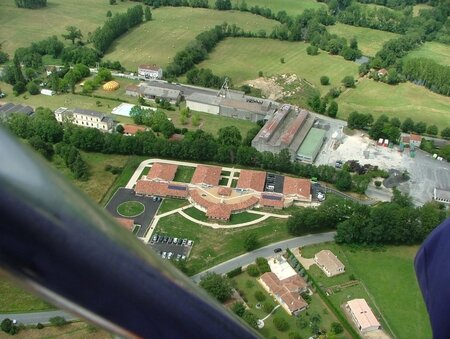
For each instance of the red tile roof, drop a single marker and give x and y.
(219, 211)
(132, 129)
(225, 191)
(162, 189)
(415, 137)
(126, 223)
(406, 139)
(252, 179)
(296, 186)
(209, 175)
(267, 202)
(162, 171)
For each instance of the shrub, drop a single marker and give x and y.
(253, 270)
(324, 80)
(260, 296)
(312, 50)
(378, 183)
(6, 325)
(32, 88)
(39, 326)
(238, 309)
(348, 81)
(250, 319)
(280, 324)
(263, 265)
(234, 272)
(58, 321)
(336, 328)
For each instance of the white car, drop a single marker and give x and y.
(189, 243)
(164, 255)
(169, 256)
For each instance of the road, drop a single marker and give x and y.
(37, 317)
(266, 252)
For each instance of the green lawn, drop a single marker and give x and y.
(172, 28)
(215, 246)
(432, 50)
(241, 59)
(292, 7)
(235, 218)
(248, 286)
(402, 101)
(184, 174)
(21, 27)
(234, 183)
(369, 40)
(223, 181)
(130, 208)
(390, 280)
(15, 299)
(169, 204)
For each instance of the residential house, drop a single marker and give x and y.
(415, 140)
(150, 71)
(329, 263)
(362, 315)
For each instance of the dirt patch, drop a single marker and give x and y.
(268, 86)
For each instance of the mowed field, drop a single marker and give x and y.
(20, 27)
(401, 101)
(388, 275)
(432, 50)
(369, 40)
(243, 58)
(157, 41)
(292, 7)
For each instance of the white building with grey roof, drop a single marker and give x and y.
(84, 118)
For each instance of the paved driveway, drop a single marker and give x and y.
(125, 194)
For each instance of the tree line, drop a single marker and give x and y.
(393, 223)
(114, 27)
(428, 73)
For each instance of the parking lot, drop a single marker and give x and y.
(171, 247)
(144, 219)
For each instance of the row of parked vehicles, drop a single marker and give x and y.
(169, 240)
(169, 255)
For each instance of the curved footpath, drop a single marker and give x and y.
(243, 260)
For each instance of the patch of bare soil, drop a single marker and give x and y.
(268, 86)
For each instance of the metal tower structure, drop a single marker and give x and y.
(223, 92)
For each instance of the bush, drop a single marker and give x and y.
(324, 80)
(39, 326)
(234, 272)
(238, 309)
(263, 265)
(348, 81)
(378, 183)
(280, 324)
(260, 296)
(250, 319)
(32, 88)
(6, 325)
(336, 328)
(58, 321)
(253, 270)
(312, 50)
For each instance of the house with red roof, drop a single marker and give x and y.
(129, 129)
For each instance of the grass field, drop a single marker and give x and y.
(216, 246)
(401, 101)
(241, 59)
(390, 280)
(169, 204)
(432, 50)
(184, 174)
(14, 299)
(172, 28)
(369, 40)
(248, 286)
(292, 7)
(130, 208)
(21, 27)
(74, 330)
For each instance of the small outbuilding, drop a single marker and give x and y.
(362, 315)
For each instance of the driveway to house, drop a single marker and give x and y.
(266, 252)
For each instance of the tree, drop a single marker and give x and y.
(324, 80)
(120, 129)
(420, 127)
(73, 33)
(332, 109)
(259, 296)
(312, 50)
(32, 88)
(222, 5)
(113, 2)
(348, 81)
(238, 309)
(250, 319)
(229, 136)
(432, 130)
(445, 133)
(217, 286)
(336, 328)
(252, 270)
(147, 14)
(108, 14)
(408, 125)
(58, 321)
(343, 181)
(251, 242)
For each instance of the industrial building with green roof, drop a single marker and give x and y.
(311, 146)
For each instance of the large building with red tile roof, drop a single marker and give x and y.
(272, 200)
(209, 175)
(286, 291)
(252, 179)
(219, 212)
(126, 223)
(298, 189)
(162, 172)
(161, 189)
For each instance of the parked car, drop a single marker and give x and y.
(180, 241)
(155, 238)
(170, 240)
(277, 250)
(164, 255)
(189, 243)
(169, 256)
(183, 257)
(178, 257)
(184, 242)
(175, 241)
(166, 239)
